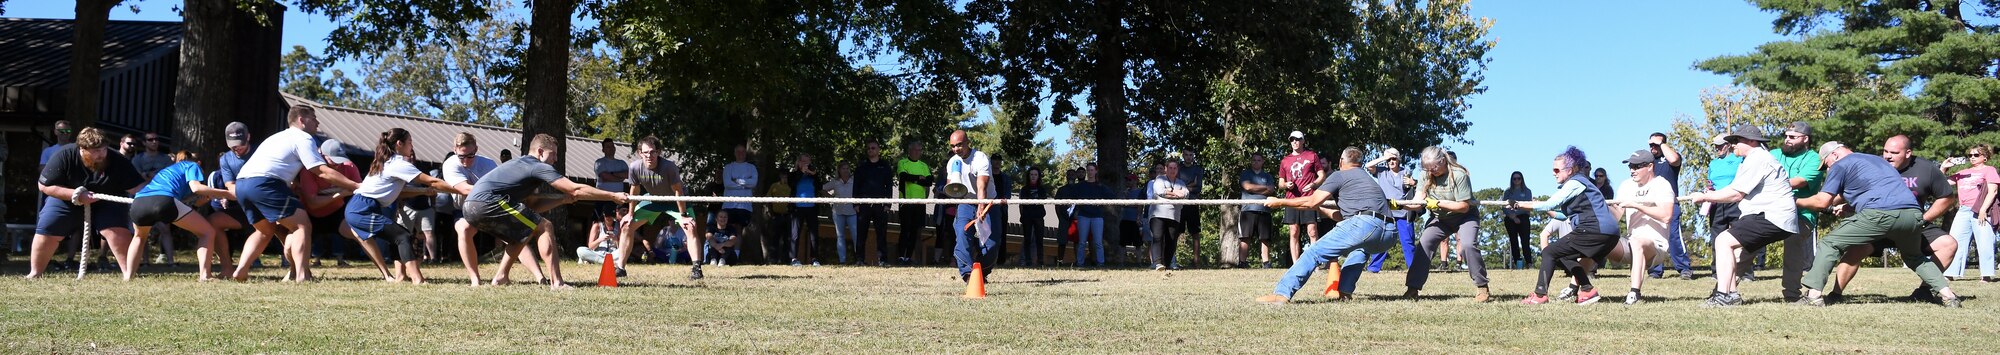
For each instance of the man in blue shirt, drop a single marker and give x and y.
(1884, 209)
(1667, 164)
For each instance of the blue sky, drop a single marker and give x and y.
(1600, 75)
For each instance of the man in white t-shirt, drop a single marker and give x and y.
(1646, 204)
(1763, 193)
(972, 168)
(264, 189)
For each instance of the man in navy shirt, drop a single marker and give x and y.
(1884, 209)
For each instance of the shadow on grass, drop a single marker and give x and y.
(775, 277)
(1049, 282)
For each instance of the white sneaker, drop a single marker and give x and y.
(1567, 293)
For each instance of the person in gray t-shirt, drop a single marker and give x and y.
(1360, 206)
(501, 204)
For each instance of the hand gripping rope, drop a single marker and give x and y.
(83, 259)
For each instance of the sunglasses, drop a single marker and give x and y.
(1978, 155)
(66, 131)
(1557, 170)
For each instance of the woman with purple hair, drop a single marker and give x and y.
(1595, 228)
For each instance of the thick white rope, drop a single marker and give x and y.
(943, 201)
(83, 259)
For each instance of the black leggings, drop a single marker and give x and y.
(1520, 240)
(911, 219)
(1165, 233)
(394, 238)
(1569, 252)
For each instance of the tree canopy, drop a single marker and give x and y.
(1922, 68)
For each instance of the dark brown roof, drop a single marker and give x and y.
(359, 129)
(35, 52)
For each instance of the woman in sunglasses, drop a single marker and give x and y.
(1977, 183)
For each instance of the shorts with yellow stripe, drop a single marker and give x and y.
(511, 222)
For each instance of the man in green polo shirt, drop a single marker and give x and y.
(915, 178)
(1802, 164)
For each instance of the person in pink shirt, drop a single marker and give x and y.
(1976, 186)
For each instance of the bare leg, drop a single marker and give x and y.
(253, 246)
(547, 242)
(1295, 242)
(507, 255)
(1726, 250)
(300, 241)
(626, 233)
(127, 252)
(374, 253)
(41, 250)
(468, 253)
(204, 242)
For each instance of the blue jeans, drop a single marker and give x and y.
(843, 229)
(1090, 231)
(1408, 237)
(1675, 247)
(1968, 228)
(1352, 239)
(962, 252)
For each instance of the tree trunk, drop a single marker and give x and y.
(86, 61)
(228, 72)
(1108, 93)
(545, 109)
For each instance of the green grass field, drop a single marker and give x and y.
(787, 309)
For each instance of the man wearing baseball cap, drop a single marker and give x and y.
(1762, 193)
(324, 205)
(1298, 175)
(1802, 164)
(225, 214)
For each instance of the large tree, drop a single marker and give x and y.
(86, 61)
(1923, 68)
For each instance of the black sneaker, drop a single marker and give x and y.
(1834, 298)
(1718, 299)
(621, 272)
(695, 274)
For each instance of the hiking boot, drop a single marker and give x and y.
(1482, 296)
(1587, 297)
(1810, 301)
(1273, 299)
(1535, 300)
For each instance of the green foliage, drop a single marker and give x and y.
(774, 73)
(1918, 68)
(308, 76)
(457, 78)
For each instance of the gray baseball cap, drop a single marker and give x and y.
(237, 134)
(333, 151)
(1749, 132)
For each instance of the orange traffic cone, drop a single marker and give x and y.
(976, 288)
(1332, 286)
(608, 275)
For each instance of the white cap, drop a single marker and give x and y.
(1391, 152)
(1298, 135)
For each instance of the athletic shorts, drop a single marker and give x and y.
(1755, 232)
(266, 199)
(1659, 250)
(417, 220)
(1931, 234)
(59, 218)
(1256, 226)
(234, 212)
(1301, 216)
(368, 217)
(649, 212)
(511, 222)
(151, 210)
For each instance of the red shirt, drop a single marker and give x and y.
(1301, 169)
(310, 183)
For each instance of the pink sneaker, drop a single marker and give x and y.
(1535, 300)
